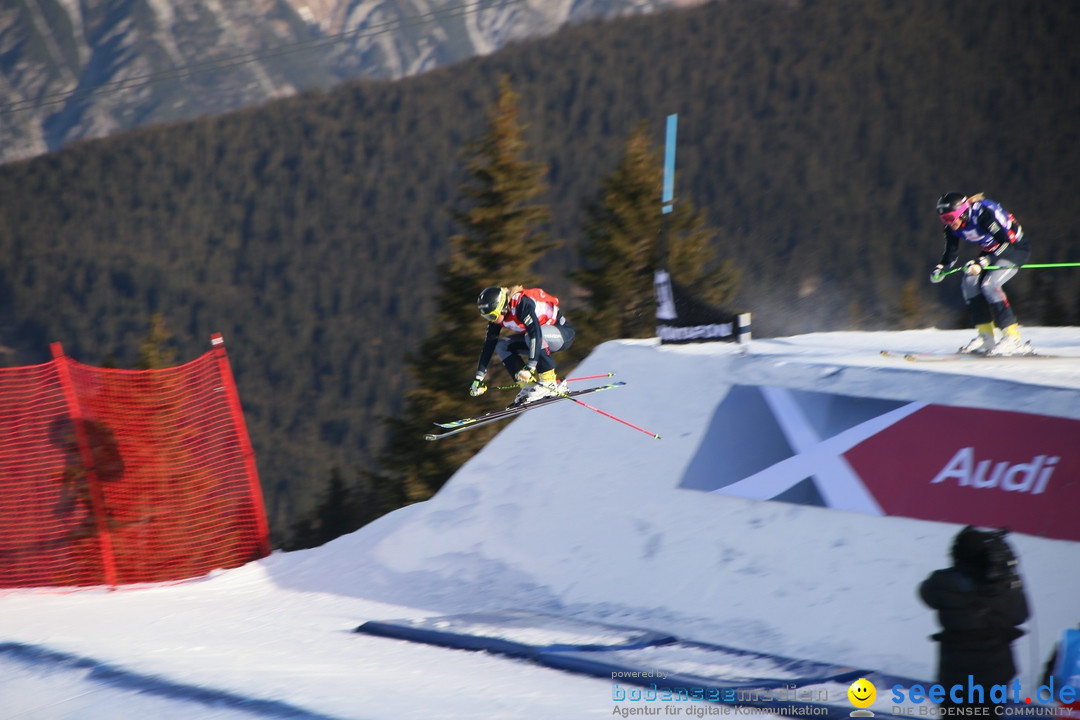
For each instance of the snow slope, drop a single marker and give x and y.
(593, 528)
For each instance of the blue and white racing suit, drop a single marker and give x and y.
(1001, 240)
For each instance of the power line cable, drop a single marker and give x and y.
(186, 71)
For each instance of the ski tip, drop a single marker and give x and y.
(429, 436)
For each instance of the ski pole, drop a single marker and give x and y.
(591, 377)
(1034, 266)
(606, 414)
(1037, 265)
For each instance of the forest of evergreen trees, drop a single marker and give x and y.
(316, 233)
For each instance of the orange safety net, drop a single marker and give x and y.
(114, 476)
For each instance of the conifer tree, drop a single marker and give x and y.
(627, 238)
(500, 241)
(154, 349)
(335, 515)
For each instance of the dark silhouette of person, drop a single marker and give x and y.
(980, 601)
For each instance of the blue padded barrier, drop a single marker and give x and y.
(644, 665)
(516, 633)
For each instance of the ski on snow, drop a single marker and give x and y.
(454, 427)
(945, 356)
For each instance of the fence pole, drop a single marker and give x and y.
(237, 413)
(97, 497)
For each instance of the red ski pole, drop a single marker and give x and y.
(613, 417)
(590, 377)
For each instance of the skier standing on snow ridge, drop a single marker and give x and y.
(539, 328)
(984, 222)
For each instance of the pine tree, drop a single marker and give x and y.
(335, 515)
(627, 238)
(499, 243)
(154, 350)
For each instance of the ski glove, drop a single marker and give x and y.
(974, 267)
(937, 274)
(527, 374)
(477, 388)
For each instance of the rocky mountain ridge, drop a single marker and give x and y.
(73, 70)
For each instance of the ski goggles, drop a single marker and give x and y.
(952, 216)
(495, 309)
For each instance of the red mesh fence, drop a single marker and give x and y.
(125, 476)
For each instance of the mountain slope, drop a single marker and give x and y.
(72, 71)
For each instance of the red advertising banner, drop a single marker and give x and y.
(972, 466)
(981, 467)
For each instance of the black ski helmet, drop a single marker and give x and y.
(951, 206)
(492, 303)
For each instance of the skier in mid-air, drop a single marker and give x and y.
(539, 329)
(979, 220)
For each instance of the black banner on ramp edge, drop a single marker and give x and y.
(682, 318)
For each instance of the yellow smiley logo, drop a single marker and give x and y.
(862, 693)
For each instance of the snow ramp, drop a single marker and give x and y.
(753, 525)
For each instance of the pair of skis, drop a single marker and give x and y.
(454, 427)
(946, 356)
